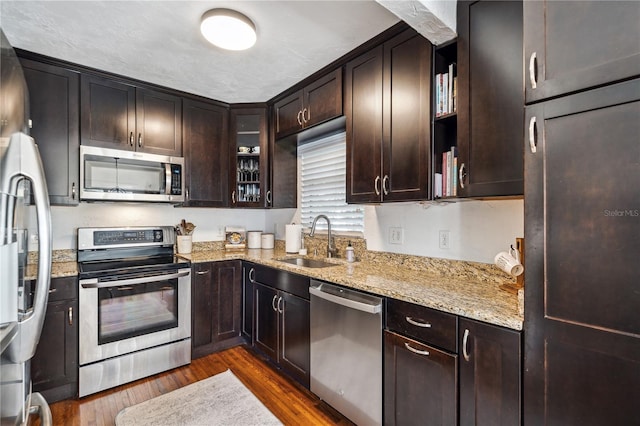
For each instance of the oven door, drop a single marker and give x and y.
(120, 316)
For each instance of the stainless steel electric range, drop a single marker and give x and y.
(135, 305)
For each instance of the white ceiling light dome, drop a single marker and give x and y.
(228, 29)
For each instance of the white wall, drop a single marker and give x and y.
(209, 223)
(478, 230)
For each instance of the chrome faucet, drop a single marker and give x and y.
(331, 250)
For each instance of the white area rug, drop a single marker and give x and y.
(218, 400)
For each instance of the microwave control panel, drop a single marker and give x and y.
(176, 179)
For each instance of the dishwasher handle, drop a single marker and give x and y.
(347, 298)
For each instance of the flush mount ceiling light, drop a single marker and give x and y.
(228, 29)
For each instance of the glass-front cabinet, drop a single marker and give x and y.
(248, 174)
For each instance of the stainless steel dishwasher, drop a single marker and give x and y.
(346, 351)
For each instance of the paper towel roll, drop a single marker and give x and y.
(292, 238)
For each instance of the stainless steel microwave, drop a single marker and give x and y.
(116, 175)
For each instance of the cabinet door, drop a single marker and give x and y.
(55, 117)
(406, 142)
(202, 319)
(158, 123)
(295, 342)
(420, 385)
(574, 45)
(322, 99)
(206, 153)
(265, 332)
(54, 367)
(491, 99)
(288, 115)
(249, 171)
(283, 189)
(582, 223)
(490, 384)
(363, 110)
(227, 300)
(248, 277)
(108, 113)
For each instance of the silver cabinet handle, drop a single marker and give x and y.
(416, 351)
(139, 140)
(233, 197)
(131, 138)
(465, 343)
(385, 184)
(70, 313)
(73, 191)
(461, 176)
(269, 197)
(203, 272)
(273, 303)
(532, 70)
(418, 323)
(53, 290)
(532, 135)
(299, 119)
(375, 185)
(303, 115)
(280, 310)
(252, 275)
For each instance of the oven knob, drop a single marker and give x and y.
(157, 236)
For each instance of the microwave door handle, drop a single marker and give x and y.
(30, 326)
(167, 178)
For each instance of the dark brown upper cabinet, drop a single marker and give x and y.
(249, 157)
(122, 116)
(206, 151)
(314, 104)
(55, 126)
(387, 106)
(570, 46)
(490, 99)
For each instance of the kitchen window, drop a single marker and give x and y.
(323, 185)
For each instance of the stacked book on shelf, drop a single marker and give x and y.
(445, 184)
(446, 91)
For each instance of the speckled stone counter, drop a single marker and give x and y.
(63, 264)
(470, 294)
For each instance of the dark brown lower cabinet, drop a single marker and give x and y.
(281, 321)
(216, 306)
(420, 386)
(247, 301)
(54, 367)
(490, 379)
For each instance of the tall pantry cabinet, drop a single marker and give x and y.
(582, 213)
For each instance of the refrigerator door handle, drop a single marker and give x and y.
(23, 159)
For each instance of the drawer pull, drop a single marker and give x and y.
(416, 351)
(203, 272)
(70, 313)
(53, 290)
(418, 323)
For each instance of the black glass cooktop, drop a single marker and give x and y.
(128, 266)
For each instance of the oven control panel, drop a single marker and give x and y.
(108, 238)
(112, 237)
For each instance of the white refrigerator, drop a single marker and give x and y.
(22, 187)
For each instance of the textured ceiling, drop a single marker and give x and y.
(160, 42)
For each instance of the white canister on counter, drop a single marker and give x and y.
(268, 241)
(254, 239)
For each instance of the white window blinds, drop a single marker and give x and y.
(323, 189)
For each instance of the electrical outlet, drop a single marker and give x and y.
(396, 235)
(34, 238)
(444, 239)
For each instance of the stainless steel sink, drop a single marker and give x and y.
(307, 263)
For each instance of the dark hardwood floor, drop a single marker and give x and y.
(287, 400)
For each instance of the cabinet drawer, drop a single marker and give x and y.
(424, 324)
(282, 280)
(60, 289)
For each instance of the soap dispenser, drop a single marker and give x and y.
(351, 256)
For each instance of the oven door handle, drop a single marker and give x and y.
(95, 284)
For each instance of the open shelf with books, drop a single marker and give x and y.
(445, 121)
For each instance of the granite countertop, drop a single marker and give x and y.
(467, 293)
(476, 299)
